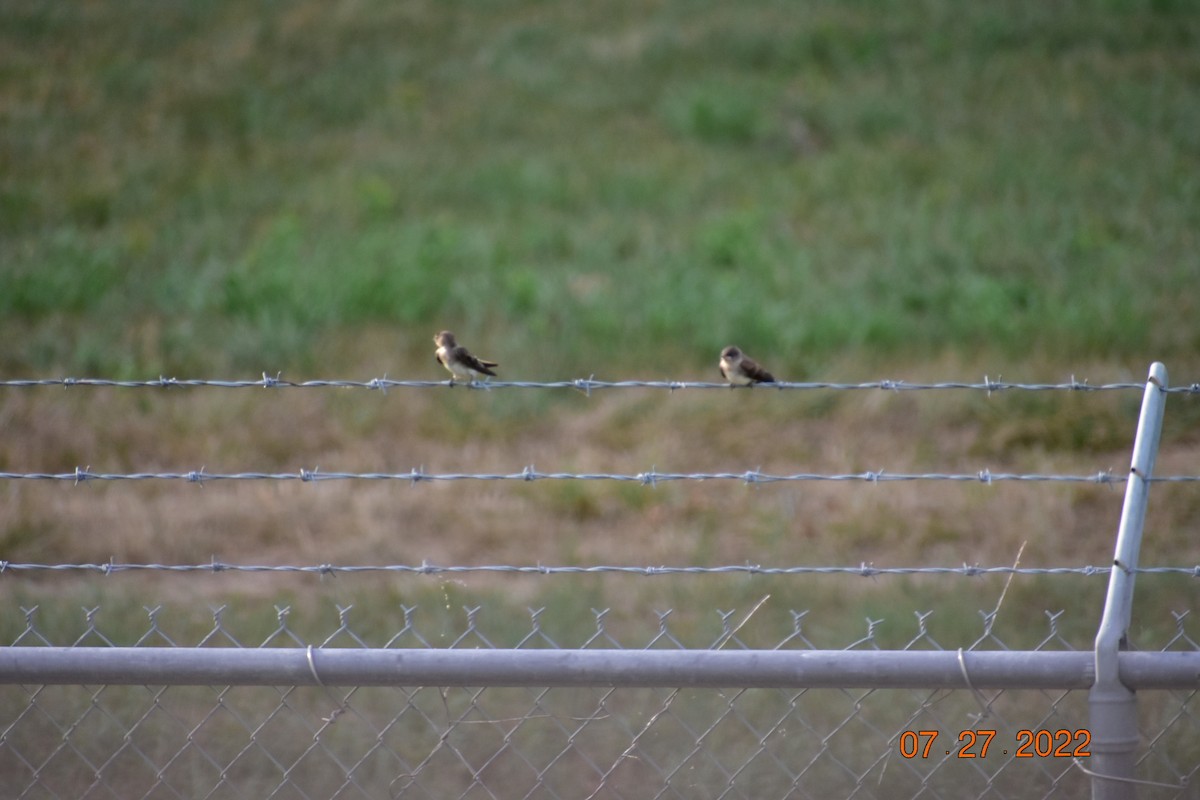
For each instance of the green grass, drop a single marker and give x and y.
(239, 183)
(614, 189)
(193, 188)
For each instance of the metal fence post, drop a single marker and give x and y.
(1112, 705)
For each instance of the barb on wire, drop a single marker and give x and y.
(527, 474)
(863, 571)
(587, 385)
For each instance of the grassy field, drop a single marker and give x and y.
(849, 190)
(246, 185)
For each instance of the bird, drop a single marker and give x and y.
(741, 370)
(460, 362)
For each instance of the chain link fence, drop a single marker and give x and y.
(326, 741)
(503, 707)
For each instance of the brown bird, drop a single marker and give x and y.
(460, 362)
(741, 370)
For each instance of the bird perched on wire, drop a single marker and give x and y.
(741, 370)
(460, 362)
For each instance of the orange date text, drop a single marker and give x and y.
(1062, 743)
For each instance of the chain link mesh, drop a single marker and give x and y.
(592, 742)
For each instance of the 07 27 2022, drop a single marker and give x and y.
(1042, 743)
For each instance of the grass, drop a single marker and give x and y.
(848, 190)
(243, 182)
(595, 522)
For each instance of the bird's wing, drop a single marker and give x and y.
(474, 363)
(756, 372)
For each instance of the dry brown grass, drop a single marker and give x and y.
(552, 522)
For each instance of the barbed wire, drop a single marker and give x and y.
(587, 385)
(530, 474)
(864, 570)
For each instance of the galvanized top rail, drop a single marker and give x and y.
(585, 385)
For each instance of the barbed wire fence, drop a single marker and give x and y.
(529, 714)
(530, 474)
(863, 570)
(589, 384)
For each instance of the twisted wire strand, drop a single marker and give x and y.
(586, 385)
(863, 570)
(530, 474)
